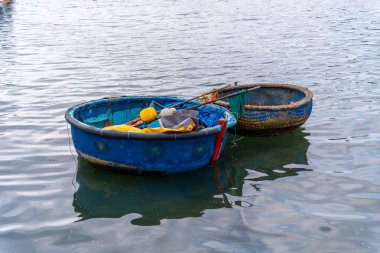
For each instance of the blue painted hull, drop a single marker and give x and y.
(276, 119)
(131, 152)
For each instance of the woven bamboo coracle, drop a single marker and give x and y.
(272, 109)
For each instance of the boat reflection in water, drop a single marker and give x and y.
(107, 194)
(257, 159)
(154, 197)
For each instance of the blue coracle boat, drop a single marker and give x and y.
(163, 153)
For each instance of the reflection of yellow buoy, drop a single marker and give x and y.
(148, 114)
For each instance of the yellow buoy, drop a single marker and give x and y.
(148, 114)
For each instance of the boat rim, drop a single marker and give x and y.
(132, 135)
(307, 99)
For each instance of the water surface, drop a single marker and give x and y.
(314, 190)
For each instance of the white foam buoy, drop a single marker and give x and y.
(167, 112)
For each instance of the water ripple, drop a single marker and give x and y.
(314, 190)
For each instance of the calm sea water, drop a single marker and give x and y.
(314, 190)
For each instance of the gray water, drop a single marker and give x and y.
(314, 190)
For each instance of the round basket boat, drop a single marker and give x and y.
(272, 109)
(163, 153)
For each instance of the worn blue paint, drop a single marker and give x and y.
(270, 96)
(163, 153)
(299, 112)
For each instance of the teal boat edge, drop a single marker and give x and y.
(162, 153)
